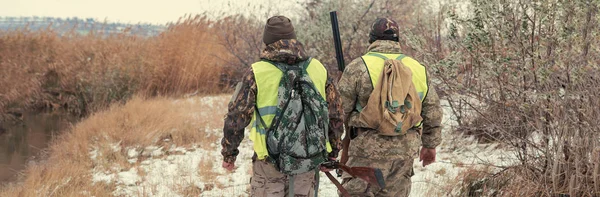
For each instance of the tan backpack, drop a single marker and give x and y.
(394, 105)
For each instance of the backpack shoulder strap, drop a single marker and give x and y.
(306, 63)
(378, 55)
(400, 57)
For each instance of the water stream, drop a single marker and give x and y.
(23, 142)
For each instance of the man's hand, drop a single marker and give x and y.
(427, 156)
(324, 169)
(228, 166)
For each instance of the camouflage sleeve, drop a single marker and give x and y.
(432, 119)
(348, 86)
(239, 115)
(336, 117)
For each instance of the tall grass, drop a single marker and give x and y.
(83, 73)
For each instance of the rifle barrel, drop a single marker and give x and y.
(339, 54)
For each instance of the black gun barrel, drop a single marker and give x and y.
(339, 54)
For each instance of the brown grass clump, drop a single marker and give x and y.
(206, 170)
(139, 122)
(84, 73)
(192, 190)
(480, 182)
(191, 58)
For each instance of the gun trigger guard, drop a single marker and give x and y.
(338, 172)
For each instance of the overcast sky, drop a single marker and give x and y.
(134, 11)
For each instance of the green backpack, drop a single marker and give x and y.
(297, 137)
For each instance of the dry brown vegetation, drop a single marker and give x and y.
(138, 123)
(525, 74)
(84, 73)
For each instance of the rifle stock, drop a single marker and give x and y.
(345, 146)
(372, 176)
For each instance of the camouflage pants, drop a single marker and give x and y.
(393, 155)
(267, 181)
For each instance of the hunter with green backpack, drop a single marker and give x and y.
(294, 113)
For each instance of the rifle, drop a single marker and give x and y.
(368, 174)
(339, 56)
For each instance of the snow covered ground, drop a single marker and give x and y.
(179, 171)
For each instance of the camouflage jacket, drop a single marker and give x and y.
(241, 106)
(355, 85)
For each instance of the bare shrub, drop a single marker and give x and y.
(525, 73)
(242, 39)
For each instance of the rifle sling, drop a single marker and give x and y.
(338, 185)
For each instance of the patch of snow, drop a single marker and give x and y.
(152, 151)
(128, 178)
(133, 153)
(157, 152)
(126, 181)
(94, 154)
(175, 149)
(106, 177)
(116, 147)
(134, 160)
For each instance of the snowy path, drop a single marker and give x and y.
(182, 171)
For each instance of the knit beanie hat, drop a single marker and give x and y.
(277, 28)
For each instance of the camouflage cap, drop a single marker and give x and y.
(384, 29)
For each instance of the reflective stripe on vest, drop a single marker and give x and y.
(267, 77)
(374, 62)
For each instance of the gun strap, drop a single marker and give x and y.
(291, 192)
(338, 185)
(317, 182)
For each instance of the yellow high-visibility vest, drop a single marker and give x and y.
(374, 62)
(267, 77)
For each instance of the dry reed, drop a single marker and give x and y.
(83, 73)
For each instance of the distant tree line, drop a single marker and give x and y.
(77, 25)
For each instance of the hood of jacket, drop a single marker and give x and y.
(288, 51)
